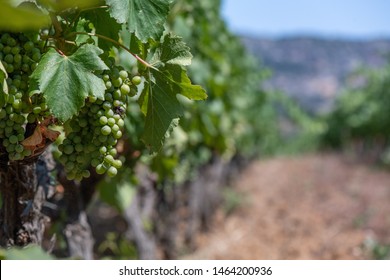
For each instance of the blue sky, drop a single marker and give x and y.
(335, 18)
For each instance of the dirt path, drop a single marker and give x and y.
(309, 207)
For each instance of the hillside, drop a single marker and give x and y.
(314, 70)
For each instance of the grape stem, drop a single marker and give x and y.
(119, 45)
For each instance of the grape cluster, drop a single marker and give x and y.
(92, 135)
(19, 56)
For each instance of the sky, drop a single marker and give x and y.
(359, 19)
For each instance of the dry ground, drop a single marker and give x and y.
(307, 207)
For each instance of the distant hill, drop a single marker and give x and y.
(314, 70)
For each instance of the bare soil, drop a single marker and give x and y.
(308, 207)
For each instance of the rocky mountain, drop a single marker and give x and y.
(314, 70)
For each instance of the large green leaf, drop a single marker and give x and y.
(24, 18)
(169, 58)
(66, 81)
(145, 18)
(173, 51)
(168, 78)
(60, 5)
(104, 25)
(181, 83)
(163, 111)
(32, 252)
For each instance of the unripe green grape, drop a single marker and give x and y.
(108, 85)
(118, 134)
(100, 169)
(26, 153)
(25, 67)
(123, 74)
(68, 149)
(133, 92)
(117, 103)
(103, 150)
(28, 46)
(111, 122)
(120, 123)
(107, 105)
(106, 77)
(117, 82)
(19, 148)
(115, 128)
(86, 174)
(37, 110)
(17, 58)
(83, 122)
(116, 94)
(10, 68)
(103, 120)
(92, 99)
(11, 42)
(13, 139)
(110, 113)
(109, 159)
(79, 147)
(6, 143)
(117, 164)
(69, 165)
(80, 159)
(20, 137)
(95, 162)
(7, 49)
(102, 138)
(106, 130)
(9, 58)
(33, 66)
(136, 80)
(17, 104)
(125, 89)
(113, 152)
(112, 171)
(111, 141)
(11, 148)
(15, 50)
(3, 113)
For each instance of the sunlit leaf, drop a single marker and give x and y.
(145, 18)
(66, 81)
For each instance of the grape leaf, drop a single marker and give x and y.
(172, 51)
(104, 25)
(66, 81)
(168, 78)
(145, 18)
(60, 5)
(23, 18)
(169, 58)
(181, 83)
(31, 252)
(163, 110)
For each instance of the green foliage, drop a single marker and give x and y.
(159, 94)
(26, 17)
(32, 252)
(68, 77)
(144, 18)
(66, 81)
(361, 113)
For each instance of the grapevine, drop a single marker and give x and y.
(85, 97)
